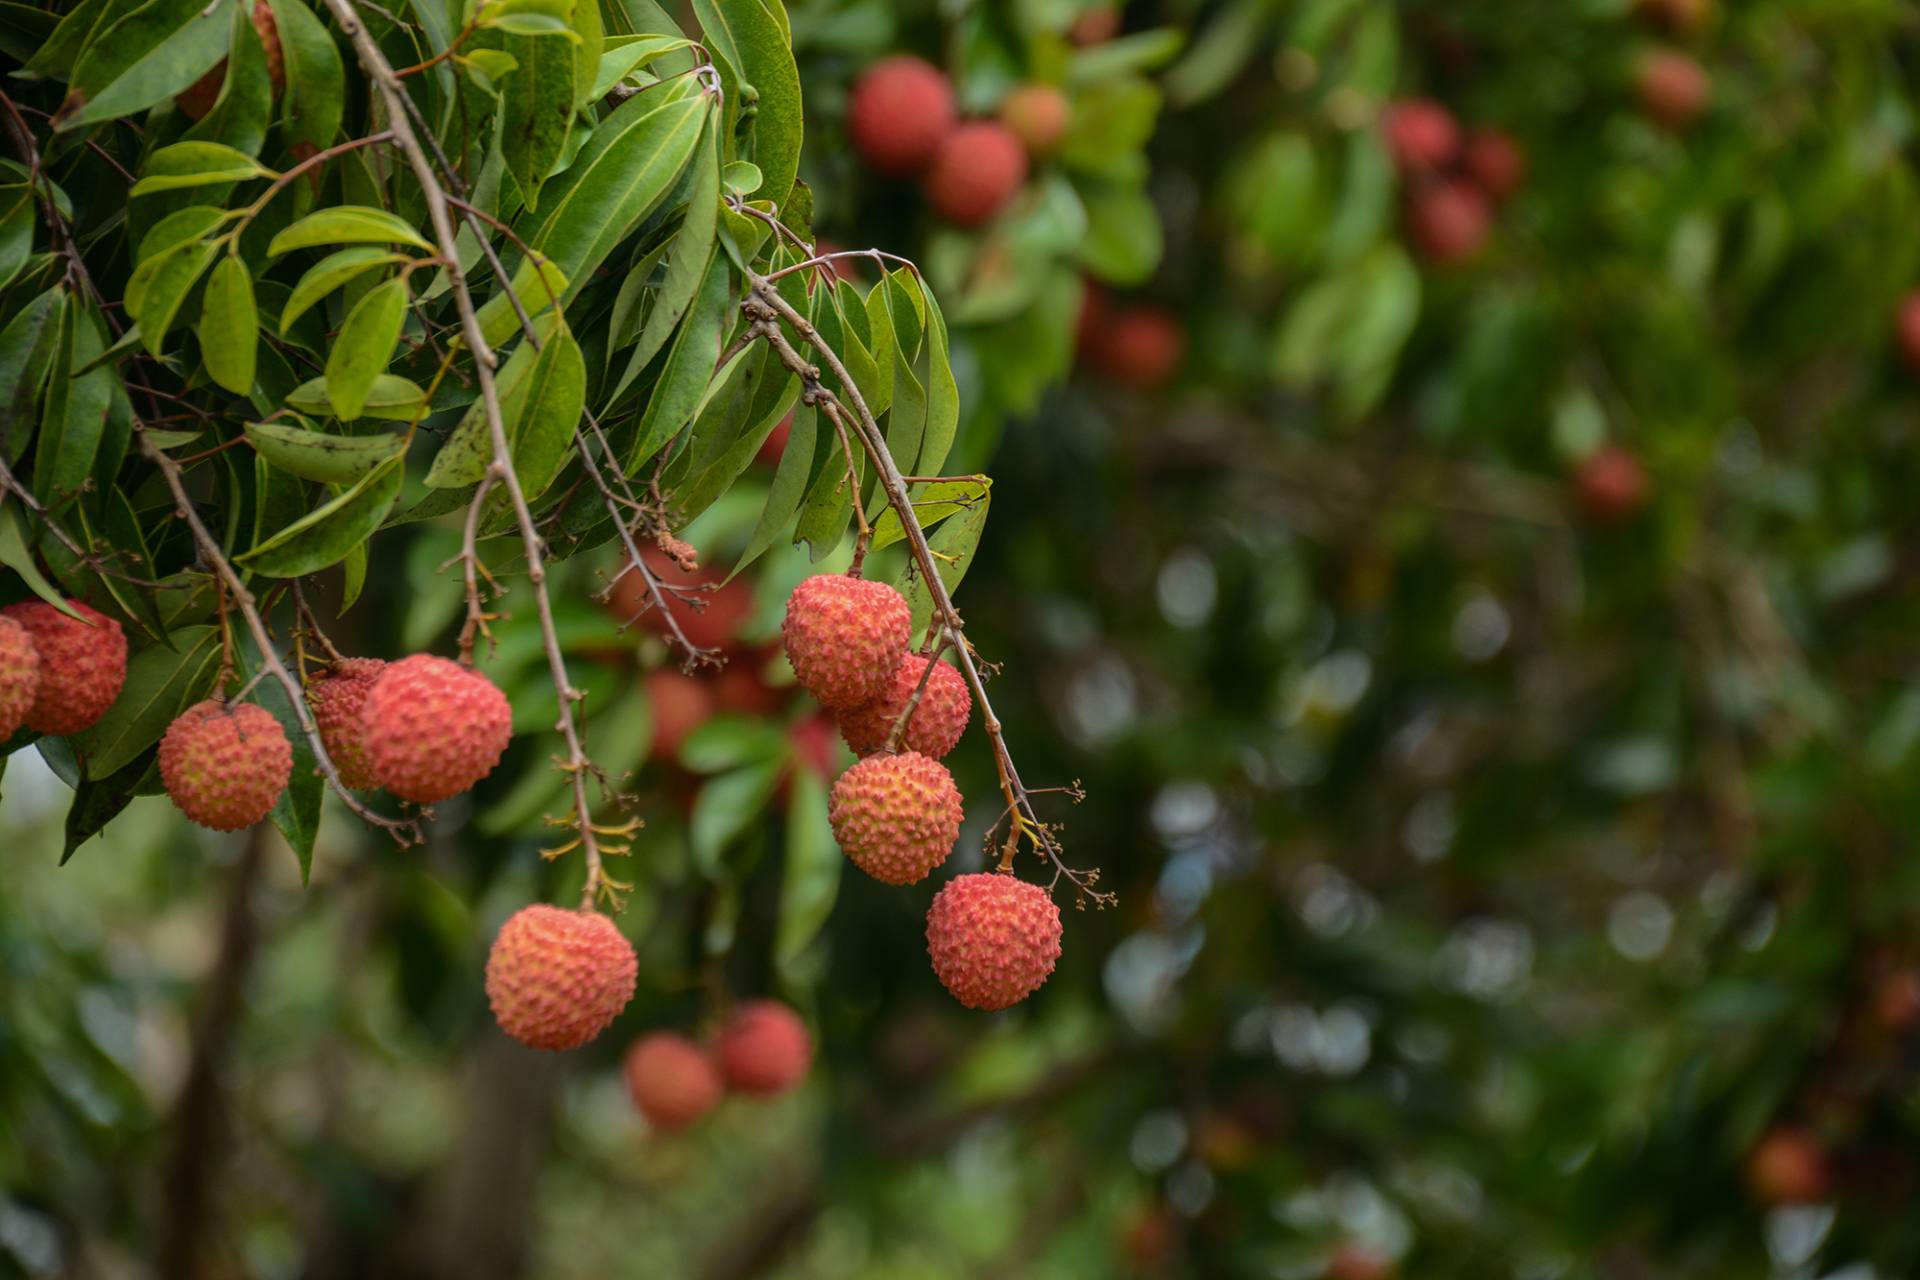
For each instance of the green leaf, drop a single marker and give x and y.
(74, 415)
(15, 554)
(811, 879)
(316, 84)
(626, 56)
(16, 231)
(536, 102)
(229, 325)
(943, 394)
(932, 504)
(751, 38)
(330, 273)
(197, 164)
(391, 398)
(545, 413)
(296, 815)
(142, 59)
(55, 55)
(26, 349)
(689, 369)
(364, 346)
(725, 807)
(95, 804)
(326, 535)
(531, 26)
(468, 451)
(1123, 240)
(318, 455)
(178, 230)
(954, 545)
(537, 283)
(691, 253)
(347, 224)
(788, 487)
(160, 684)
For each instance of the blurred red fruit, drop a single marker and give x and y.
(1907, 328)
(776, 443)
(198, 98)
(976, 171)
(1421, 136)
(1037, 114)
(1673, 88)
(1137, 346)
(1896, 1002)
(1095, 26)
(1788, 1166)
(1496, 164)
(715, 625)
(1357, 1262)
(1449, 221)
(845, 268)
(1610, 484)
(679, 704)
(900, 111)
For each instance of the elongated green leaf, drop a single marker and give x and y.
(15, 554)
(16, 231)
(689, 367)
(296, 814)
(828, 506)
(144, 58)
(173, 277)
(96, 803)
(932, 504)
(326, 535)
(810, 880)
(537, 283)
(161, 682)
(953, 544)
(318, 455)
(690, 253)
(330, 273)
(788, 488)
(26, 349)
(55, 55)
(229, 325)
(464, 458)
(347, 224)
(392, 398)
(316, 85)
(536, 101)
(756, 42)
(546, 413)
(75, 413)
(364, 346)
(178, 230)
(197, 164)
(624, 56)
(943, 393)
(725, 807)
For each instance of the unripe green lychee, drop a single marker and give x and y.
(976, 171)
(937, 722)
(899, 111)
(431, 728)
(225, 766)
(763, 1049)
(670, 1080)
(993, 939)
(338, 696)
(83, 663)
(556, 978)
(897, 816)
(844, 637)
(19, 676)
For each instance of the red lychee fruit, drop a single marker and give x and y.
(225, 766)
(679, 704)
(844, 637)
(897, 816)
(1096, 26)
(670, 1080)
(937, 722)
(1610, 484)
(1139, 347)
(993, 938)
(1421, 135)
(900, 110)
(1449, 221)
(556, 978)
(198, 98)
(976, 171)
(1673, 87)
(83, 663)
(710, 620)
(1038, 115)
(1357, 1262)
(1896, 1000)
(432, 728)
(338, 696)
(19, 676)
(1788, 1166)
(763, 1049)
(1496, 164)
(1907, 328)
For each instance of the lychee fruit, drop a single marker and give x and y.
(679, 704)
(1449, 221)
(1896, 1000)
(1673, 87)
(670, 1080)
(338, 696)
(1038, 115)
(225, 766)
(993, 938)
(1421, 135)
(83, 663)
(1357, 1262)
(710, 619)
(198, 98)
(896, 816)
(556, 978)
(937, 722)
(1788, 1166)
(975, 172)
(1096, 26)
(844, 637)
(431, 728)
(19, 676)
(1610, 484)
(763, 1049)
(1907, 328)
(900, 110)
(1138, 347)
(1496, 164)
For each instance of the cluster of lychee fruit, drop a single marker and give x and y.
(763, 1050)
(896, 813)
(903, 123)
(59, 671)
(1453, 180)
(1673, 88)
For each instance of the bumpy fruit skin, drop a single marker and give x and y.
(198, 98)
(937, 722)
(432, 728)
(19, 676)
(1496, 164)
(897, 817)
(557, 978)
(225, 766)
(82, 664)
(844, 637)
(900, 110)
(976, 171)
(1788, 1166)
(1037, 114)
(764, 1049)
(1138, 347)
(1611, 484)
(1673, 88)
(671, 1082)
(338, 697)
(993, 939)
(1421, 135)
(1449, 221)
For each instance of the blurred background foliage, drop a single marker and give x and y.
(1480, 627)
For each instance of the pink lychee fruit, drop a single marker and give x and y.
(338, 696)
(19, 676)
(83, 663)
(764, 1049)
(845, 637)
(900, 110)
(225, 766)
(431, 728)
(896, 816)
(937, 722)
(993, 939)
(557, 978)
(671, 1082)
